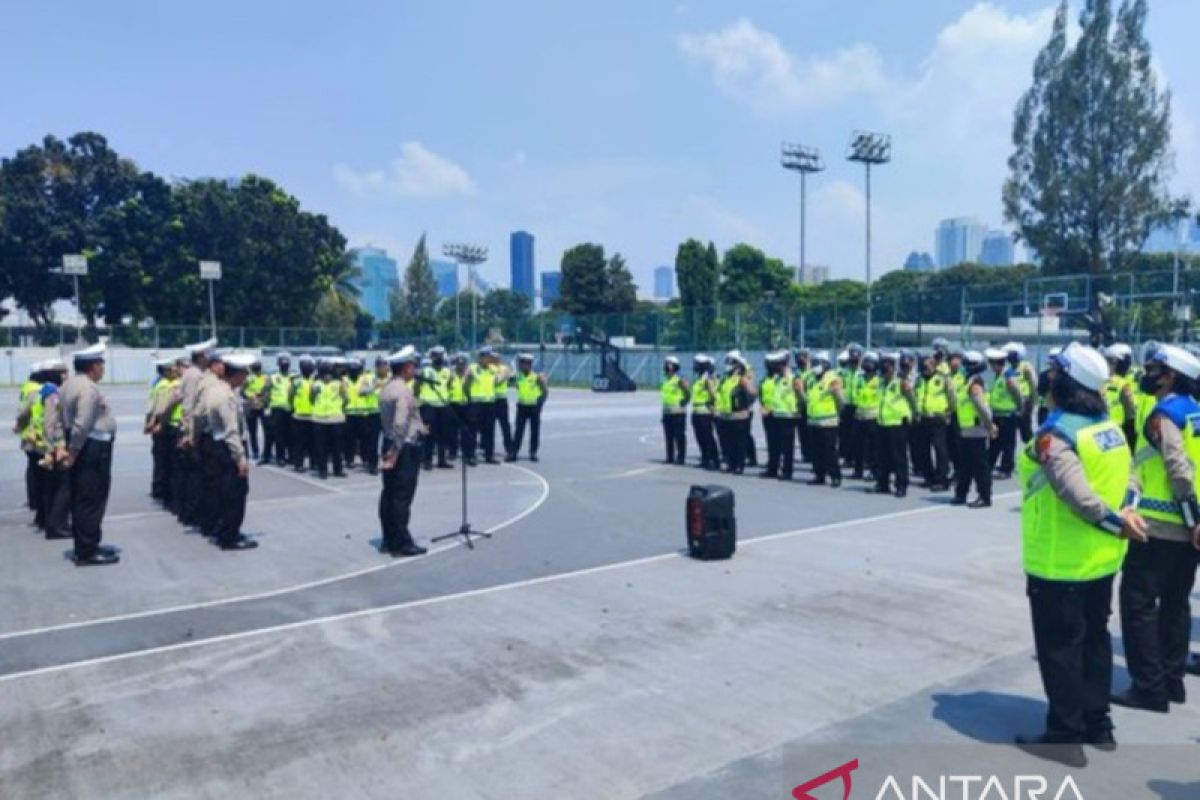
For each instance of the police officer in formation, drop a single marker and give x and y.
(703, 402)
(39, 425)
(89, 429)
(532, 391)
(975, 428)
(675, 395)
(434, 394)
(278, 432)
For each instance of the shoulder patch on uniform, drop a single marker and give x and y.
(1154, 428)
(1108, 439)
(1193, 424)
(1042, 446)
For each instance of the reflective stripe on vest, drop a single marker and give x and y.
(1158, 499)
(702, 398)
(529, 389)
(821, 402)
(1058, 544)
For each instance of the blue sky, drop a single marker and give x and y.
(633, 124)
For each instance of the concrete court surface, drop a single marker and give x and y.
(578, 653)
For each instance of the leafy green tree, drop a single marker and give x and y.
(1091, 136)
(747, 275)
(418, 292)
(620, 292)
(698, 273)
(583, 280)
(506, 310)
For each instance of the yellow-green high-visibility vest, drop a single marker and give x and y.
(932, 399)
(278, 398)
(866, 400)
(702, 398)
(821, 402)
(999, 399)
(255, 384)
(529, 389)
(1058, 544)
(1112, 397)
(483, 384)
(672, 394)
(784, 402)
(766, 393)
(28, 390)
(458, 391)
(37, 420)
(1158, 499)
(329, 403)
(370, 400)
(725, 389)
(966, 413)
(177, 412)
(302, 406)
(435, 385)
(894, 408)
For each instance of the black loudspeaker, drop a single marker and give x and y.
(711, 526)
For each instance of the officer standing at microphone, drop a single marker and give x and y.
(401, 462)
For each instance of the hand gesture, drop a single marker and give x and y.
(243, 469)
(1133, 526)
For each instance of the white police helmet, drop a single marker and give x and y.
(1084, 365)
(1177, 360)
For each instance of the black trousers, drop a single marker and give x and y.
(32, 479)
(254, 416)
(395, 501)
(675, 433)
(1025, 424)
(952, 441)
(91, 480)
(162, 447)
(1004, 447)
(768, 424)
(231, 492)
(804, 435)
(781, 446)
(466, 425)
(277, 436)
(301, 441)
(733, 443)
(706, 440)
(179, 472)
(485, 427)
(351, 431)
(434, 418)
(973, 466)
(749, 446)
(933, 437)
(1156, 615)
(892, 457)
(192, 504)
(500, 411)
(209, 505)
(327, 447)
(56, 501)
(368, 440)
(1074, 652)
(825, 453)
(866, 446)
(531, 416)
(846, 432)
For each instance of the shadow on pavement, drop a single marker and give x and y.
(989, 717)
(1171, 790)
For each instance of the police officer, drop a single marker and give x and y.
(766, 400)
(161, 441)
(27, 396)
(674, 393)
(866, 412)
(975, 428)
(462, 409)
(483, 403)
(367, 388)
(187, 461)
(302, 414)
(825, 399)
(433, 393)
(1005, 400)
(532, 391)
(1158, 575)
(90, 429)
(254, 394)
(1118, 392)
(209, 484)
(805, 377)
(1078, 513)
(504, 376)
(1043, 387)
(56, 494)
(1026, 379)
(784, 404)
(735, 397)
(703, 400)
(229, 461)
(355, 411)
(328, 395)
(850, 375)
(935, 398)
(401, 462)
(896, 405)
(953, 370)
(277, 432)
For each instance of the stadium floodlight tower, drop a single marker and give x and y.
(869, 149)
(804, 160)
(471, 255)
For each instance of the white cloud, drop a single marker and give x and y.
(752, 65)
(721, 223)
(418, 172)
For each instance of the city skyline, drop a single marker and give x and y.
(370, 143)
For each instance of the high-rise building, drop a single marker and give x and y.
(664, 283)
(919, 262)
(997, 250)
(379, 278)
(520, 248)
(445, 274)
(958, 240)
(812, 274)
(551, 284)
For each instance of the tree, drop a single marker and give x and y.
(507, 310)
(419, 293)
(698, 274)
(747, 275)
(583, 280)
(1091, 142)
(620, 292)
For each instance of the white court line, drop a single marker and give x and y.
(629, 473)
(446, 598)
(296, 587)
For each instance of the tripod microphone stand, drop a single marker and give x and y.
(464, 530)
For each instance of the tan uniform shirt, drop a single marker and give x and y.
(223, 413)
(398, 414)
(200, 407)
(1180, 470)
(52, 422)
(982, 411)
(1064, 472)
(189, 387)
(86, 413)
